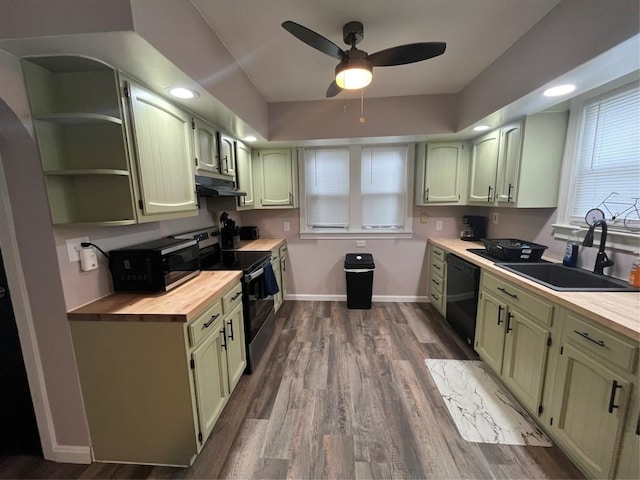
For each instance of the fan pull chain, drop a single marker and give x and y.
(362, 119)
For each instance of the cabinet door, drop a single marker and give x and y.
(276, 178)
(244, 176)
(236, 354)
(162, 136)
(509, 162)
(442, 173)
(490, 331)
(206, 142)
(227, 155)
(210, 380)
(585, 418)
(484, 163)
(277, 298)
(525, 358)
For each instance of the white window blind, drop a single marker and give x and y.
(327, 187)
(608, 156)
(383, 187)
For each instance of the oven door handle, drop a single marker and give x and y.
(253, 275)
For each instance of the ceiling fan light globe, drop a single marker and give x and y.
(354, 74)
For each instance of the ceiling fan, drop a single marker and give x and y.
(355, 68)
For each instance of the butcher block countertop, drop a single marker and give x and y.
(260, 245)
(182, 304)
(619, 311)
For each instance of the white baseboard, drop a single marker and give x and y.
(343, 298)
(70, 454)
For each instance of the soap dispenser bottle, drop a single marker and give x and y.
(634, 274)
(571, 253)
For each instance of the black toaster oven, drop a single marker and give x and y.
(155, 266)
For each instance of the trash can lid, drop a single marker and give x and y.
(358, 260)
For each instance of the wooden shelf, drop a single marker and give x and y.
(74, 118)
(89, 171)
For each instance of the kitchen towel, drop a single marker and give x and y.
(270, 284)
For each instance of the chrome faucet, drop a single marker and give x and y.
(602, 261)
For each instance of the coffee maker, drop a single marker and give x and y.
(474, 227)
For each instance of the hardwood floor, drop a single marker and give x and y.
(342, 394)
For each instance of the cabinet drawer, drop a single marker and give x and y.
(435, 297)
(437, 253)
(232, 298)
(601, 343)
(437, 284)
(534, 306)
(205, 323)
(437, 267)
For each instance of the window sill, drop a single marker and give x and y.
(352, 235)
(623, 241)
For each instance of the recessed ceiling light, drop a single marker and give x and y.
(559, 90)
(249, 138)
(181, 92)
(481, 128)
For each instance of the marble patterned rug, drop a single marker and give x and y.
(482, 409)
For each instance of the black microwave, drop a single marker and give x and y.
(155, 266)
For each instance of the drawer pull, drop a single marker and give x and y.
(213, 318)
(503, 290)
(435, 281)
(236, 295)
(436, 297)
(509, 317)
(638, 425)
(224, 336)
(230, 323)
(612, 399)
(586, 335)
(436, 266)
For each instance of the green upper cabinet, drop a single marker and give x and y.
(244, 176)
(78, 122)
(484, 165)
(161, 135)
(441, 174)
(276, 179)
(207, 159)
(519, 164)
(226, 144)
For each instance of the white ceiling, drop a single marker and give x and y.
(283, 68)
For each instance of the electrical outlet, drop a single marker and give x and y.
(73, 248)
(495, 218)
(287, 226)
(439, 225)
(361, 243)
(423, 218)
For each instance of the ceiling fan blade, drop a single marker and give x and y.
(333, 90)
(314, 39)
(403, 54)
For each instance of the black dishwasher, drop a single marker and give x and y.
(463, 280)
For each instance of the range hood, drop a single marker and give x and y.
(214, 187)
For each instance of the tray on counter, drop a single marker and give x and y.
(513, 249)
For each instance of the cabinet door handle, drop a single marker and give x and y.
(208, 324)
(586, 335)
(224, 336)
(489, 194)
(509, 317)
(426, 195)
(638, 425)
(236, 296)
(290, 198)
(230, 323)
(500, 308)
(509, 193)
(612, 399)
(512, 295)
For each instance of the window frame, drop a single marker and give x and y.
(355, 210)
(617, 237)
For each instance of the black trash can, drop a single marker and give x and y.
(359, 270)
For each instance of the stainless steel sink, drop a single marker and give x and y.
(558, 277)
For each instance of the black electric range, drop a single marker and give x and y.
(482, 252)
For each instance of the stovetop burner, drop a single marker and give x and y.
(482, 252)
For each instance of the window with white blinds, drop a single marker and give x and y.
(356, 190)
(383, 185)
(327, 187)
(608, 153)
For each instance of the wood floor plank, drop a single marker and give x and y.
(307, 437)
(338, 457)
(242, 461)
